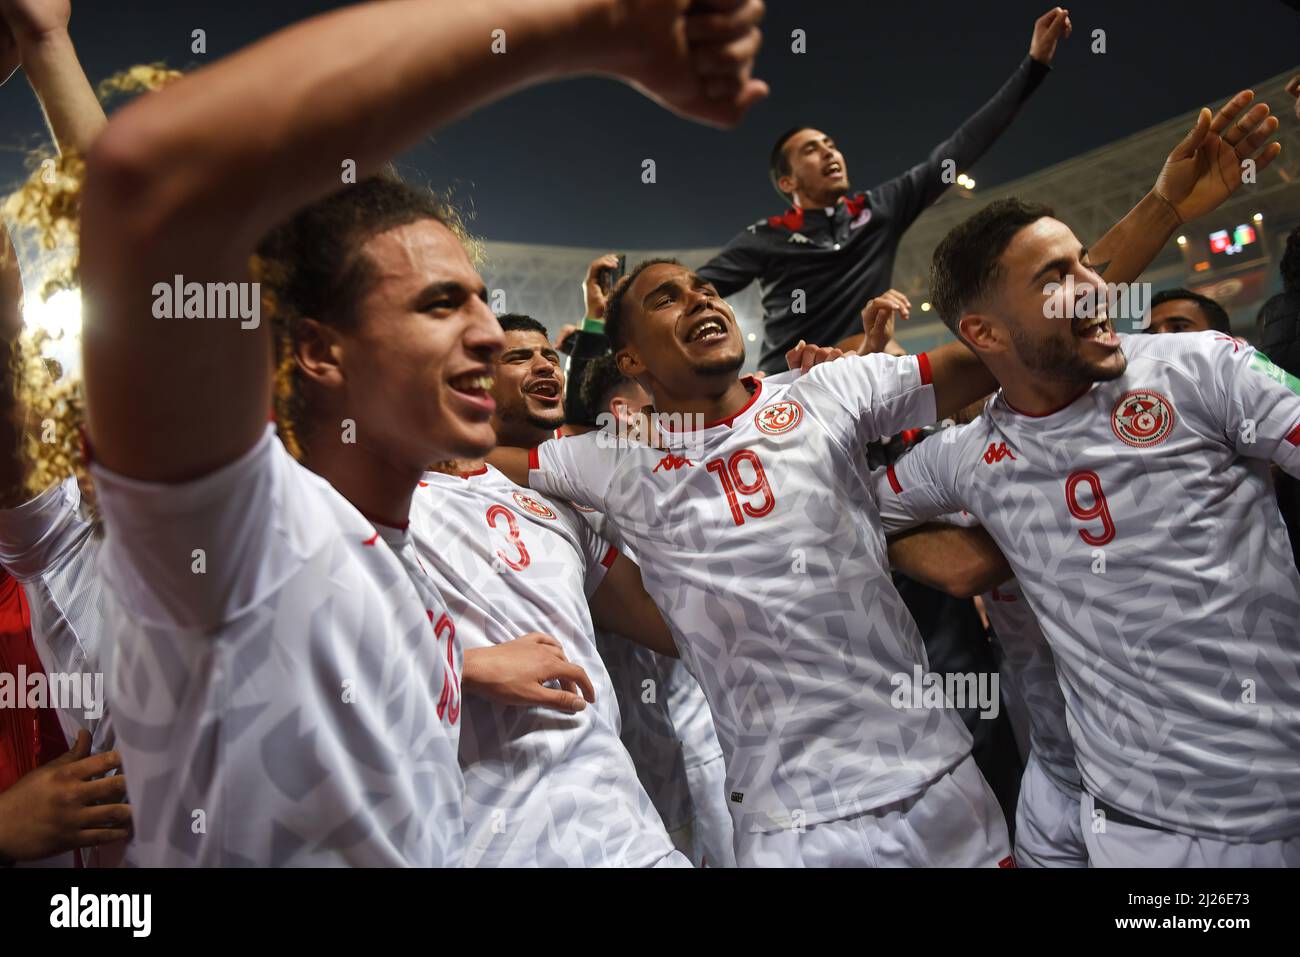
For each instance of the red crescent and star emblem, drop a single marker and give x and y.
(1143, 418)
(778, 417)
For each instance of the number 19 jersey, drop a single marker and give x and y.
(760, 541)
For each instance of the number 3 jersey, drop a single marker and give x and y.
(760, 541)
(1141, 523)
(542, 788)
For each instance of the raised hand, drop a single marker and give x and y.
(806, 355)
(695, 57)
(516, 672)
(1205, 168)
(878, 320)
(64, 804)
(1049, 29)
(593, 296)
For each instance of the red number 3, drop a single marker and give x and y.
(522, 560)
(1098, 509)
(733, 482)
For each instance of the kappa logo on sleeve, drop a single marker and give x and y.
(778, 417)
(670, 462)
(997, 451)
(1142, 418)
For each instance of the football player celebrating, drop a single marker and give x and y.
(542, 789)
(1172, 617)
(286, 677)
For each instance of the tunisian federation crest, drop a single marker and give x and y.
(1143, 418)
(778, 417)
(532, 505)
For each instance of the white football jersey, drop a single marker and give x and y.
(51, 547)
(1028, 663)
(284, 677)
(542, 788)
(760, 541)
(666, 725)
(1141, 523)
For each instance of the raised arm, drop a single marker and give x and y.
(40, 31)
(13, 468)
(1201, 172)
(905, 197)
(184, 182)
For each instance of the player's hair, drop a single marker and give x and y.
(966, 264)
(46, 213)
(518, 322)
(1291, 262)
(1217, 315)
(778, 164)
(312, 267)
(601, 381)
(616, 325)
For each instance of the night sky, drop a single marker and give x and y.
(562, 164)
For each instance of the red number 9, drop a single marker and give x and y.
(1098, 509)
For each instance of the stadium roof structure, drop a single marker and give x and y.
(1089, 192)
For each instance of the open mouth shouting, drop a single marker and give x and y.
(833, 170)
(1098, 330)
(708, 330)
(546, 391)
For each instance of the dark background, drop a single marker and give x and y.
(562, 164)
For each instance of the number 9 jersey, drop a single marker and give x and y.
(760, 542)
(1141, 522)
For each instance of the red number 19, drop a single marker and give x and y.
(733, 482)
(1098, 509)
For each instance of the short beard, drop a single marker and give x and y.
(1058, 360)
(720, 366)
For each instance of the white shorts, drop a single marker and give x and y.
(712, 833)
(1127, 845)
(954, 822)
(1048, 833)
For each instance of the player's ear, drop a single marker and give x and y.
(786, 184)
(979, 331)
(629, 362)
(317, 350)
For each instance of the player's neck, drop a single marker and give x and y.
(731, 400)
(821, 201)
(1032, 396)
(459, 466)
(379, 489)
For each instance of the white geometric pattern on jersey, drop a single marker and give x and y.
(542, 788)
(669, 735)
(788, 617)
(49, 547)
(1028, 660)
(290, 692)
(1196, 612)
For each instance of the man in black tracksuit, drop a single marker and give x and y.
(821, 261)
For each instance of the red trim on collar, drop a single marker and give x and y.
(758, 388)
(893, 480)
(1042, 415)
(791, 219)
(856, 204)
(468, 475)
(923, 361)
(534, 463)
